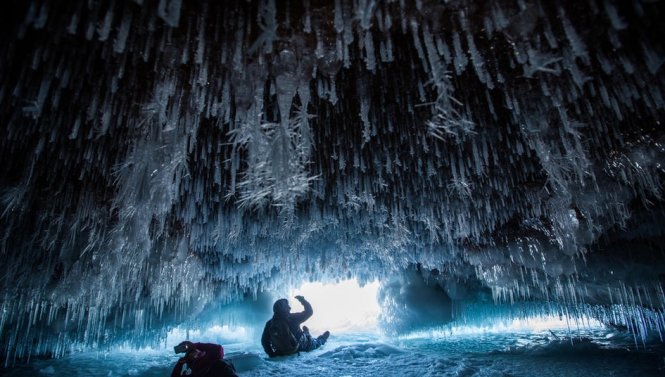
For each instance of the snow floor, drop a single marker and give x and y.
(588, 353)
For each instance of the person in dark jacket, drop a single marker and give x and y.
(282, 310)
(202, 360)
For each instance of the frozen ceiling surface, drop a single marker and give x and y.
(160, 157)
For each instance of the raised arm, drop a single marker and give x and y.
(304, 315)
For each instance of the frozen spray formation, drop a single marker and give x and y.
(163, 157)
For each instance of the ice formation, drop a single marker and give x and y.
(164, 157)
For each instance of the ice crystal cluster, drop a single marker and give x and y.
(161, 157)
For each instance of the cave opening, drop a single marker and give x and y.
(341, 307)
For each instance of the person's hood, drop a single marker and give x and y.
(280, 307)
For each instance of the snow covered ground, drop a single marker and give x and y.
(599, 352)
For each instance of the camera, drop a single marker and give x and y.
(181, 348)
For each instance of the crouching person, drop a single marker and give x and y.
(202, 360)
(282, 334)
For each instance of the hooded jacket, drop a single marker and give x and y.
(293, 319)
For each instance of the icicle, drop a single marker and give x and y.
(35, 108)
(169, 11)
(578, 77)
(386, 50)
(370, 59)
(443, 49)
(307, 22)
(417, 44)
(364, 13)
(201, 42)
(105, 28)
(73, 24)
(576, 43)
(433, 58)
(500, 20)
(617, 22)
(268, 25)
(460, 60)
(339, 17)
(478, 62)
(121, 39)
(653, 58)
(364, 117)
(41, 19)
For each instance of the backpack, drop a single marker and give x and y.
(219, 352)
(281, 337)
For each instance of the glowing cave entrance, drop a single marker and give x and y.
(343, 307)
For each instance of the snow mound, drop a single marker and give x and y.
(244, 361)
(360, 351)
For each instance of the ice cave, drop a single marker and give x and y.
(459, 187)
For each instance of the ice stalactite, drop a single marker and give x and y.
(169, 11)
(278, 151)
(164, 157)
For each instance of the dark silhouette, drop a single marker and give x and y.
(202, 360)
(282, 334)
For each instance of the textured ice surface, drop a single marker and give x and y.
(597, 352)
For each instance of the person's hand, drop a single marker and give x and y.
(300, 298)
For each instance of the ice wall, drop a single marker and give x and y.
(163, 156)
